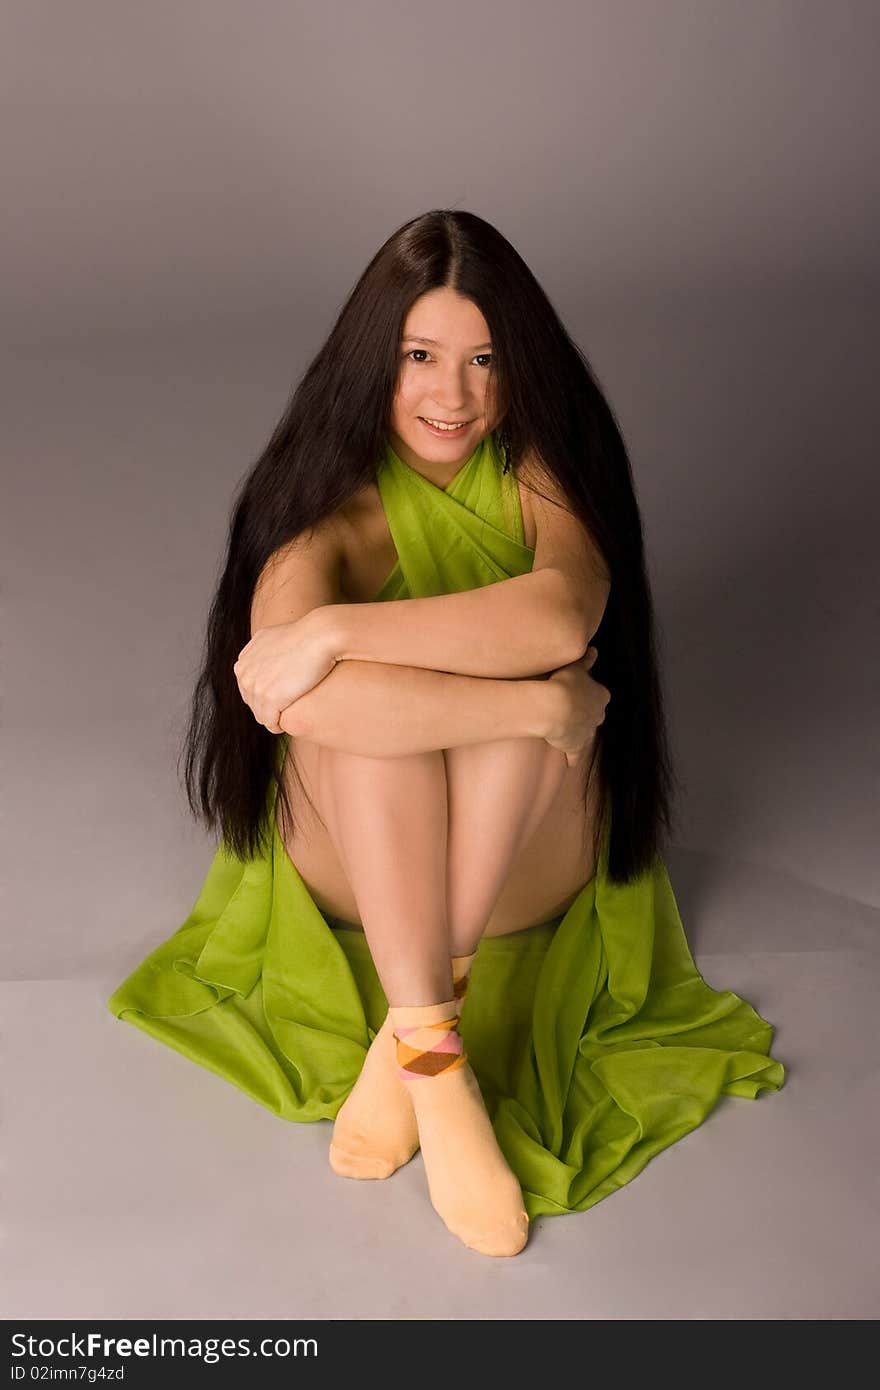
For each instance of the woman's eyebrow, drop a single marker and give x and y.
(412, 338)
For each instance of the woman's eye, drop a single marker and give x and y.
(479, 356)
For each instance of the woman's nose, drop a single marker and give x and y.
(451, 391)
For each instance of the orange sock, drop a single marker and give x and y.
(461, 974)
(375, 1129)
(470, 1184)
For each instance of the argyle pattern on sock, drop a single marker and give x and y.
(461, 974)
(429, 1049)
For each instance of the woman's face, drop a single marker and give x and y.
(446, 380)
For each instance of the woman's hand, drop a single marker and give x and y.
(283, 662)
(581, 707)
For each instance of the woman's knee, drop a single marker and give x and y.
(340, 762)
(530, 760)
(411, 776)
(508, 783)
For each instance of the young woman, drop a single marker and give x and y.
(430, 730)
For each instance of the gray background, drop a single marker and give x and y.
(190, 191)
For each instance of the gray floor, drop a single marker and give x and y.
(141, 1185)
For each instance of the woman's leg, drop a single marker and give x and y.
(497, 795)
(427, 842)
(388, 820)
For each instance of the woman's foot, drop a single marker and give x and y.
(375, 1130)
(470, 1184)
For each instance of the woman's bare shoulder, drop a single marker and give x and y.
(534, 474)
(360, 509)
(303, 573)
(332, 530)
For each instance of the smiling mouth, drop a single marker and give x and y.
(447, 426)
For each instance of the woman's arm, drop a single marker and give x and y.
(373, 709)
(517, 627)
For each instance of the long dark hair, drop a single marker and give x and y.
(325, 448)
